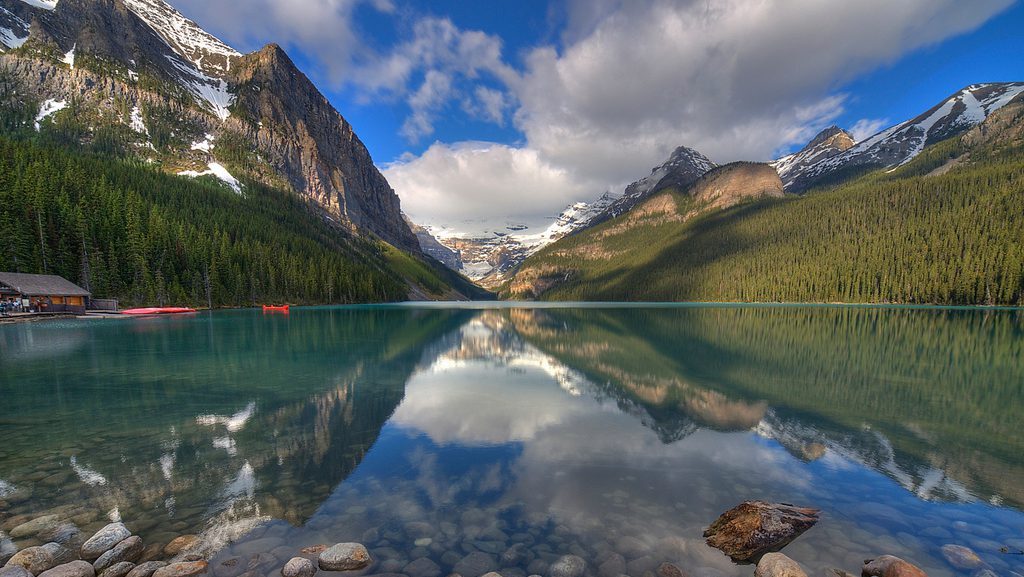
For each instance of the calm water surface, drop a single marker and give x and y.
(522, 434)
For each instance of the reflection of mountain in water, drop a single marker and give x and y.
(264, 418)
(898, 390)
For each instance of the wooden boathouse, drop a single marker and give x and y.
(43, 293)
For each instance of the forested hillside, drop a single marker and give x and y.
(126, 230)
(946, 228)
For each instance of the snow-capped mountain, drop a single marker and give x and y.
(682, 169)
(487, 257)
(828, 143)
(186, 101)
(898, 145)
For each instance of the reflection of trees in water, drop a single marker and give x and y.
(259, 417)
(944, 388)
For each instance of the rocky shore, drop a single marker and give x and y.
(52, 545)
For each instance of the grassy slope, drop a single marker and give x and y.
(884, 237)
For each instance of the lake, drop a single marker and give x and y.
(501, 437)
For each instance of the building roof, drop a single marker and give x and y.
(41, 285)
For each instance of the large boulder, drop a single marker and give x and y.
(146, 569)
(754, 528)
(104, 540)
(890, 566)
(298, 567)
(73, 569)
(128, 550)
(41, 558)
(184, 569)
(345, 557)
(962, 557)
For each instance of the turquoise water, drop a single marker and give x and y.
(519, 434)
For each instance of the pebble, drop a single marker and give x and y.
(35, 526)
(179, 544)
(298, 567)
(345, 557)
(475, 564)
(119, 569)
(146, 569)
(184, 569)
(568, 566)
(104, 540)
(778, 565)
(670, 570)
(961, 557)
(422, 567)
(73, 569)
(128, 550)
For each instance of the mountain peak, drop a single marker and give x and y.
(832, 135)
(205, 51)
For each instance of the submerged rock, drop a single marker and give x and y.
(753, 528)
(422, 567)
(35, 526)
(670, 570)
(890, 566)
(778, 565)
(104, 540)
(962, 557)
(476, 564)
(179, 544)
(568, 566)
(345, 557)
(298, 567)
(184, 569)
(7, 548)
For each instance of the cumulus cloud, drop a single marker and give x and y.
(456, 183)
(735, 79)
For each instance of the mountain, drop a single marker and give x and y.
(619, 244)
(828, 143)
(138, 73)
(682, 168)
(104, 85)
(488, 259)
(947, 227)
(897, 145)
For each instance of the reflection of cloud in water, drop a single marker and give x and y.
(471, 403)
(234, 423)
(226, 443)
(87, 475)
(243, 485)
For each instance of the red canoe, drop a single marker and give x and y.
(158, 311)
(275, 308)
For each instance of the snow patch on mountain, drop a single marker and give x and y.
(47, 109)
(213, 91)
(15, 37)
(44, 4)
(69, 57)
(216, 169)
(205, 51)
(898, 145)
(204, 145)
(137, 123)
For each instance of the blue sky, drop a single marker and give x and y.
(487, 113)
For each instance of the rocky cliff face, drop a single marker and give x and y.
(189, 100)
(734, 183)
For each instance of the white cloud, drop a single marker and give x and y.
(736, 79)
(487, 104)
(866, 127)
(450, 184)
